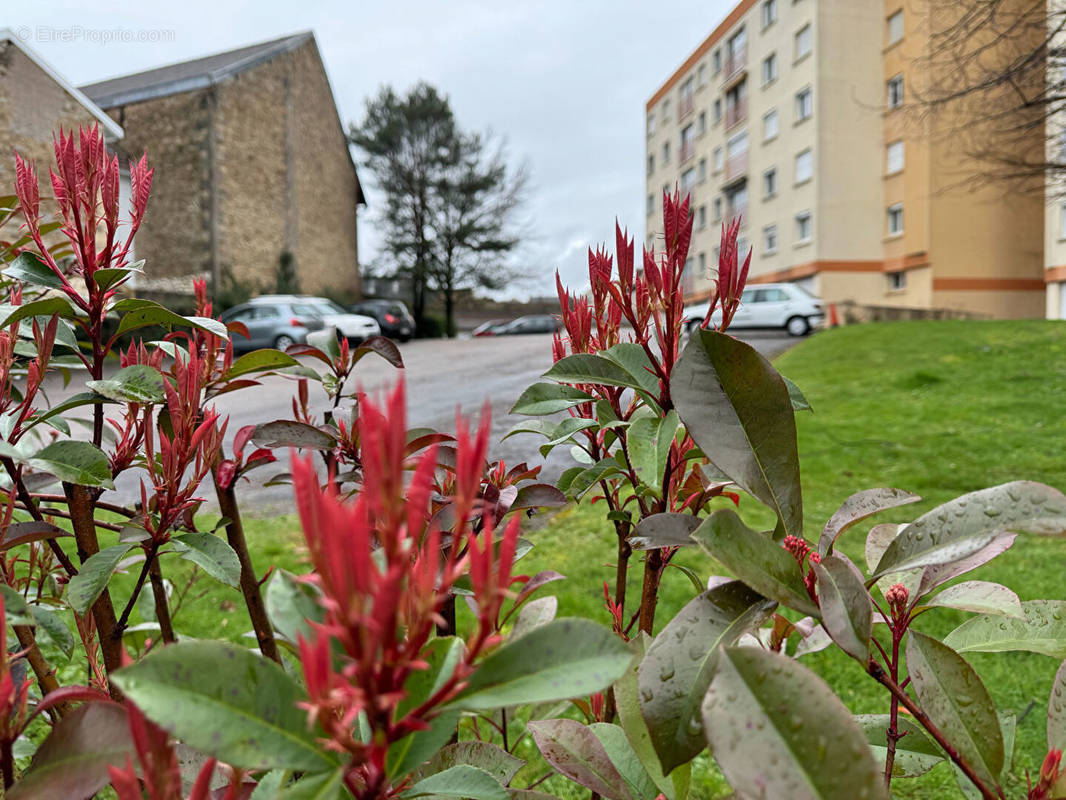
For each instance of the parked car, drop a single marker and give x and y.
(532, 323)
(490, 328)
(768, 305)
(391, 315)
(353, 327)
(274, 322)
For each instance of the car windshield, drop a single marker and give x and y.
(327, 307)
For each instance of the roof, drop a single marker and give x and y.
(112, 130)
(188, 75)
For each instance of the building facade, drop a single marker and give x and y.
(252, 161)
(792, 114)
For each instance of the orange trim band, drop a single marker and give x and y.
(1053, 274)
(988, 284)
(732, 19)
(913, 261)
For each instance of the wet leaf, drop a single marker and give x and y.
(461, 781)
(31, 531)
(575, 751)
(589, 368)
(497, 762)
(916, 753)
(1056, 711)
(137, 383)
(668, 529)
(650, 439)
(259, 361)
(76, 462)
(548, 398)
(980, 597)
(212, 554)
(847, 611)
(1042, 629)
(87, 585)
(291, 433)
(30, 268)
(857, 508)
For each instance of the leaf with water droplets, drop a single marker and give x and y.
(964, 526)
(756, 559)
(627, 701)
(857, 508)
(1056, 711)
(1042, 629)
(777, 730)
(916, 753)
(847, 611)
(574, 750)
(937, 575)
(668, 529)
(957, 702)
(980, 597)
(680, 664)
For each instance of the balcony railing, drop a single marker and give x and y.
(686, 106)
(736, 167)
(736, 113)
(735, 63)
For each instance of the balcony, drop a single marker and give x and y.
(688, 150)
(736, 168)
(736, 113)
(685, 106)
(734, 66)
(738, 210)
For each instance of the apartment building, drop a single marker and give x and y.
(791, 115)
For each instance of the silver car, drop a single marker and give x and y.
(768, 305)
(274, 323)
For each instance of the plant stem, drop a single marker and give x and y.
(123, 620)
(253, 598)
(27, 500)
(80, 503)
(7, 763)
(503, 728)
(892, 734)
(878, 674)
(162, 605)
(649, 596)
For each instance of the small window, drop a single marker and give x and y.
(769, 13)
(718, 161)
(666, 152)
(701, 74)
(894, 157)
(651, 204)
(769, 183)
(895, 92)
(804, 227)
(688, 180)
(717, 211)
(897, 281)
(769, 125)
(716, 60)
(701, 124)
(895, 27)
(895, 219)
(651, 163)
(769, 69)
(1062, 221)
(718, 110)
(803, 41)
(804, 104)
(769, 236)
(701, 217)
(703, 170)
(702, 261)
(666, 108)
(651, 125)
(804, 166)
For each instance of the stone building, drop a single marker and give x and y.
(252, 161)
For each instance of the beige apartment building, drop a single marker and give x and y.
(792, 115)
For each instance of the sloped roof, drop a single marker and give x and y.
(188, 75)
(112, 130)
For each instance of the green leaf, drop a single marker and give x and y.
(631, 357)
(93, 576)
(761, 703)
(228, 702)
(74, 401)
(668, 529)
(590, 476)
(213, 555)
(564, 432)
(1042, 630)
(137, 383)
(575, 751)
(916, 753)
(737, 409)
(290, 604)
(407, 754)
(144, 313)
(756, 559)
(857, 508)
(269, 785)
(548, 398)
(110, 276)
(30, 268)
(76, 462)
(563, 659)
(649, 440)
(324, 786)
(967, 524)
(589, 368)
(847, 610)
(627, 702)
(72, 762)
(57, 630)
(290, 433)
(31, 531)
(534, 614)
(259, 361)
(797, 398)
(1056, 711)
(497, 762)
(16, 609)
(979, 596)
(461, 781)
(625, 759)
(680, 663)
(956, 701)
(38, 308)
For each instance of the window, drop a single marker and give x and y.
(686, 101)
(769, 239)
(803, 41)
(666, 108)
(701, 74)
(1062, 221)
(736, 47)
(717, 208)
(894, 157)
(651, 125)
(737, 200)
(895, 92)
(718, 160)
(703, 170)
(769, 125)
(688, 136)
(897, 281)
(804, 166)
(651, 204)
(737, 144)
(688, 180)
(717, 110)
(895, 219)
(702, 261)
(804, 104)
(716, 60)
(769, 69)
(666, 152)
(701, 217)
(804, 227)
(651, 163)
(895, 27)
(769, 182)
(769, 13)
(701, 123)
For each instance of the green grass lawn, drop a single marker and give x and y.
(938, 408)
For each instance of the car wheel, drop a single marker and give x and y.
(797, 326)
(283, 342)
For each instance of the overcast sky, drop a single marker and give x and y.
(565, 81)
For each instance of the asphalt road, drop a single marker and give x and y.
(444, 377)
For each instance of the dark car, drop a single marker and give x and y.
(533, 323)
(490, 328)
(392, 315)
(274, 323)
